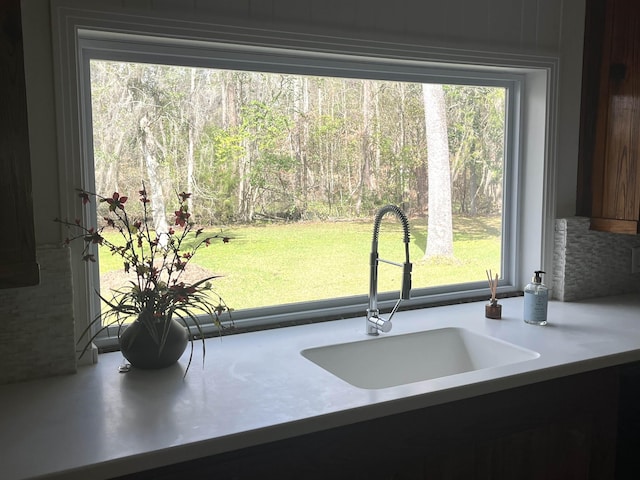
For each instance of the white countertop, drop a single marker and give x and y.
(256, 387)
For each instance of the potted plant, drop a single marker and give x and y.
(164, 308)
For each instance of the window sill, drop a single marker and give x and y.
(259, 319)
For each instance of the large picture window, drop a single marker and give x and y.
(293, 168)
(291, 151)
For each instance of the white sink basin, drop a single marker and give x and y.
(393, 360)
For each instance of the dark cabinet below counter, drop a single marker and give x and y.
(628, 445)
(559, 429)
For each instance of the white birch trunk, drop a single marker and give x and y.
(191, 140)
(440, 222)
(154, 190)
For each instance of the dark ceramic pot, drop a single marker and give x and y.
(153, 344)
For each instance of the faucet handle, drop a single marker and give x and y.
(381, 324)
(376, 324)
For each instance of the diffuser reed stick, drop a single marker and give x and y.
(493, 285)
(493, 309)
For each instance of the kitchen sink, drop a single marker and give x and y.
(395, 360)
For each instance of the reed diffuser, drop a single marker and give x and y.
(493, 309)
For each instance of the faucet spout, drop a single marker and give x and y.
(375, 323)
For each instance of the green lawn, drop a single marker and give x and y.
(286, 263)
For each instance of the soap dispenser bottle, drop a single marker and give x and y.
(536, 299)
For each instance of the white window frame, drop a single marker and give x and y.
(80, 35)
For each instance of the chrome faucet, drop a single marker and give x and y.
(375, 323)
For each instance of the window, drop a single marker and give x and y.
(518, 93)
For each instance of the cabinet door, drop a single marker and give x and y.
(18, 265)
(616, 166)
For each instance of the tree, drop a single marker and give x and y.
(148, 145)
(440, 223)
(250, 143)
(475, 116)
(368, 185)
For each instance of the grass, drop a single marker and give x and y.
(287, 263)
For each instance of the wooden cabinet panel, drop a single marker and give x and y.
(615, 176)
(18, 265)
(591, 61)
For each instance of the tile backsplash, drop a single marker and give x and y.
(37, 334)
(591, 264)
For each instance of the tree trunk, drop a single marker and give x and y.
(244, 193)
(191, 126)
(368, 185)
(440, 223)
(473, 190)
(300, 136)
(155, 193)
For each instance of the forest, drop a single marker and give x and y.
(254, 147)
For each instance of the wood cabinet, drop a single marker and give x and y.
(609, 175)
(559, 429)
(18, 265)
